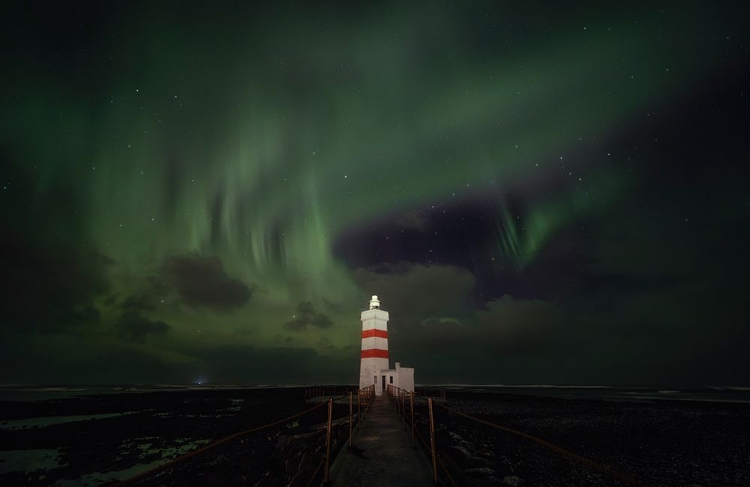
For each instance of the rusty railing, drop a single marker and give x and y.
(365, 397)
(398, 398)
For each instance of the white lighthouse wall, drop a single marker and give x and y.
(369, 370)
(375, 315)
(374, 343)
(375, 324)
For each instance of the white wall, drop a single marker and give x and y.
(370, 343)
(405, 379)
(374, 314)
(370, 367)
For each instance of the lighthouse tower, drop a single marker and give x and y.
(374, 359)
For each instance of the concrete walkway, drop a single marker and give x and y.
(381, 453)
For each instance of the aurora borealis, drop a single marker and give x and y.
(538, 193)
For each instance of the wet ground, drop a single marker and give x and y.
(657, 443)
(93, 440)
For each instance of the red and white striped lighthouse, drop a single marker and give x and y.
(374, 362)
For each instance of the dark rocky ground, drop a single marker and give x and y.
(658, 443)
(159, 426)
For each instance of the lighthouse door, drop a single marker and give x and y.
(383, 382)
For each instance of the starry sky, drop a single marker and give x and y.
(211, 191)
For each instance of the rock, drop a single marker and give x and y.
(461, 452)
(476, 462)
(480, 471)
(512, 480)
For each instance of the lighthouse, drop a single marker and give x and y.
(374, 365)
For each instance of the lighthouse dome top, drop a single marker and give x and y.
(374, 302)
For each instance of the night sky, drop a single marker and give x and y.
(538, 192)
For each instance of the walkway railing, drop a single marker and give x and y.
(400, 398)
(404, 403)
(312, 392)
(332, 442)
(429, 392)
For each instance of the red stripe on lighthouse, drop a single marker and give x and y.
(374, 333)
(374, 353)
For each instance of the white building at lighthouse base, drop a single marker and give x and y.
(402, 377)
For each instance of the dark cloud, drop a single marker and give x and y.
(202, 282)
(50, 286)
(132, 315)
(413, 220)
(415, 292)
(138, 328)
(49, 359)
(275, 365)
(634, 330)
(306, 316)
(138, 304)
(482, 341)
(330, 306)
(79, 316)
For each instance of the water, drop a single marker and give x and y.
(724, 394)
(25, 392)
(42, 421)
(707, 393)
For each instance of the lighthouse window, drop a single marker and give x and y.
(391, 379)
(374, 379)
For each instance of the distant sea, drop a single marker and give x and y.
(28, 392)
(728, 394)
(612, 393)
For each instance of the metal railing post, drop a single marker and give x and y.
(359, 408)
(432, 442)
(403, 407)
(412, 419)
(328, 441)
(350, 419)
